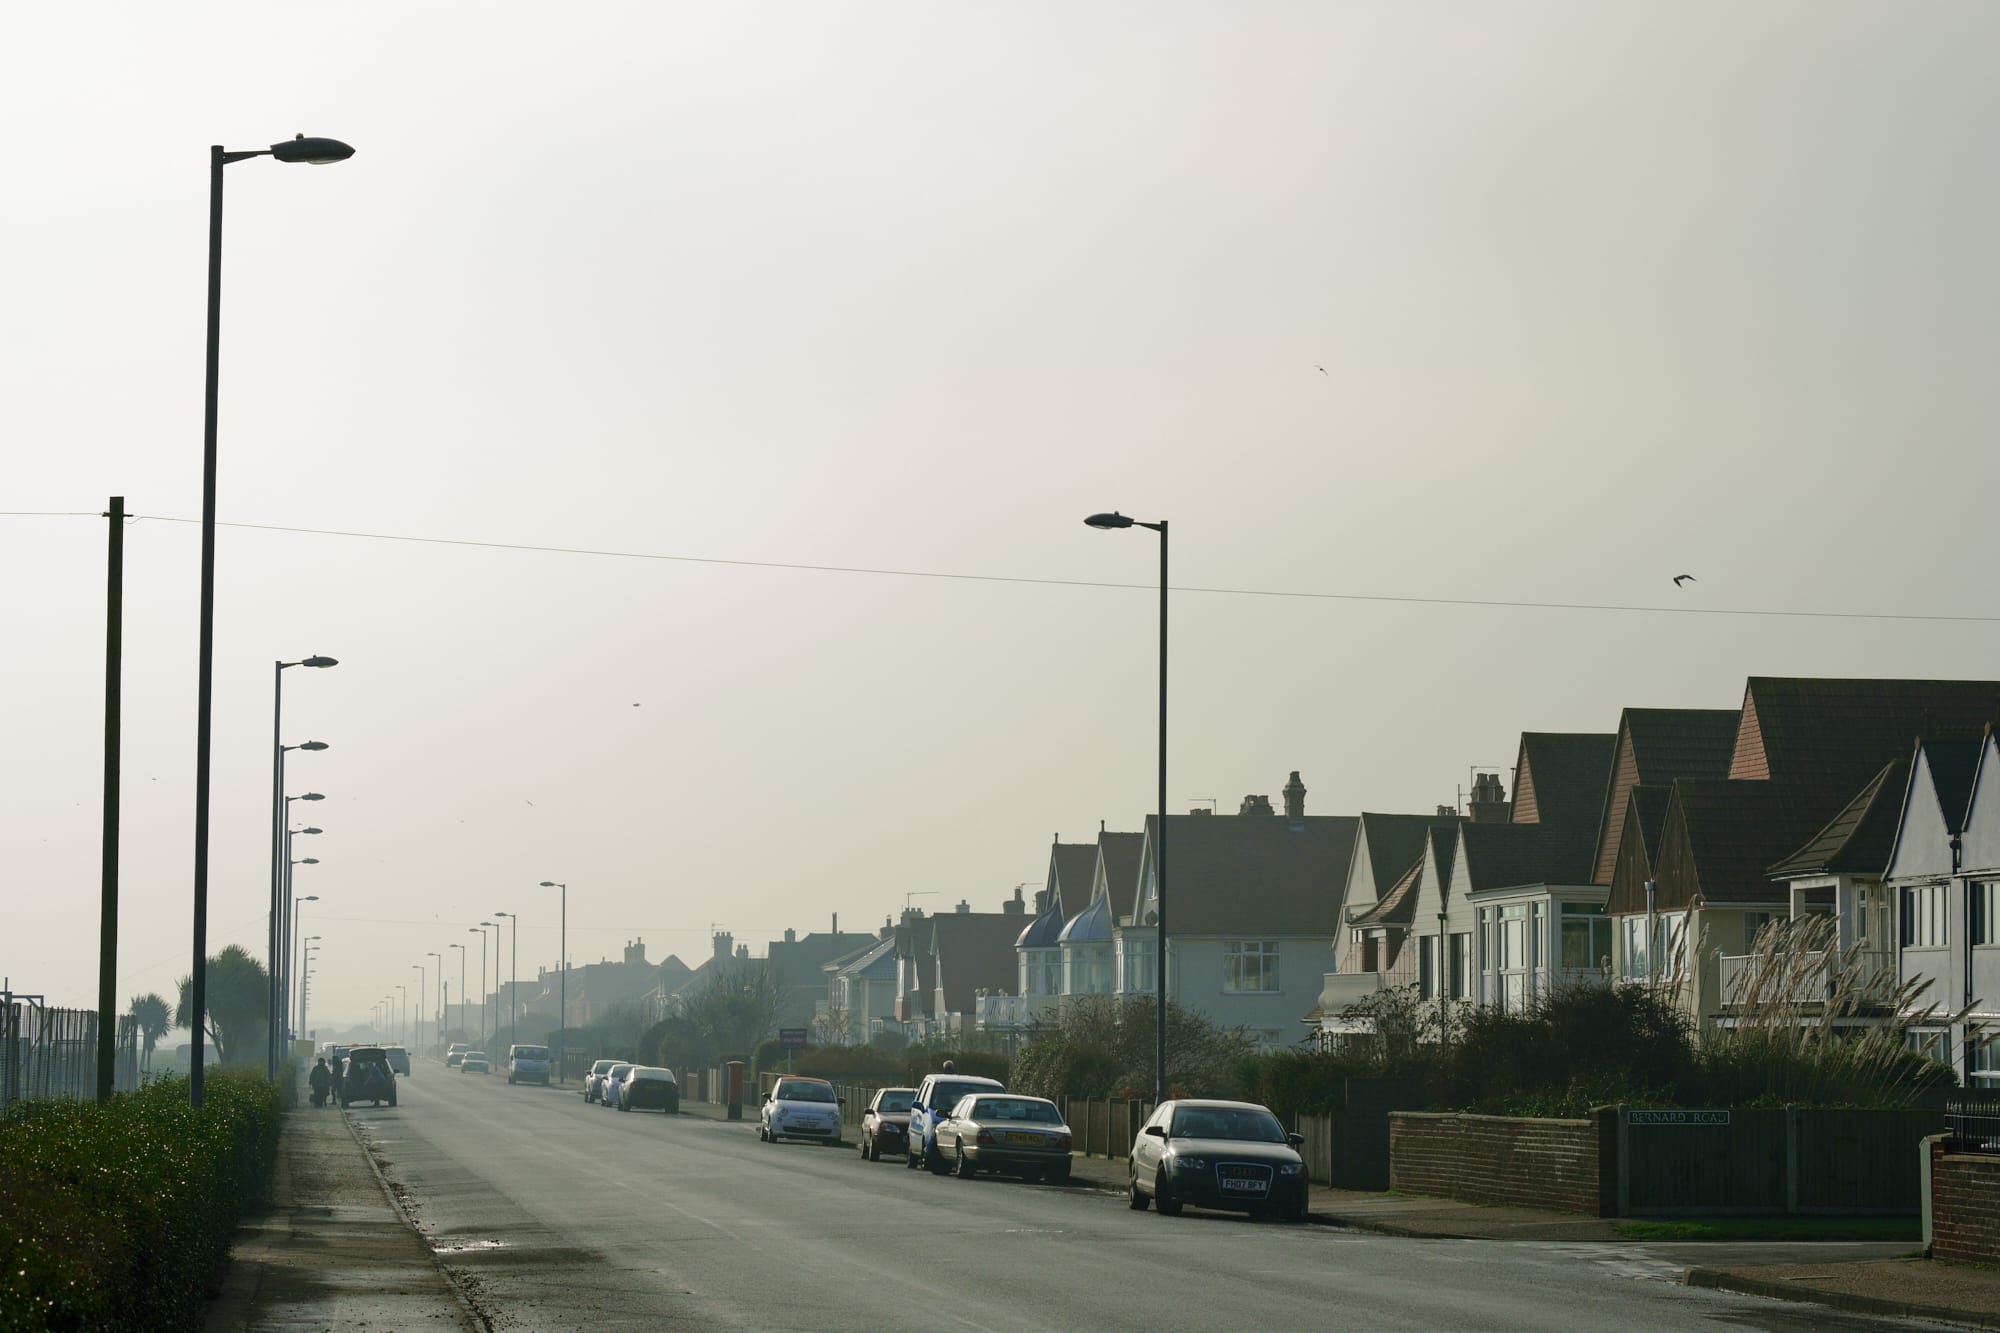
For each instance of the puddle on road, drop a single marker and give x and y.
(464, 1245)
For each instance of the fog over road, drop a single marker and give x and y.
(556, 1215)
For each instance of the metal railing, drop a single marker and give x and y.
(1973, 1123)
(48, 1052)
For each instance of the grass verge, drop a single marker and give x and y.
(1776, 1228)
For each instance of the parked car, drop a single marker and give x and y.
(1023, 1136)
(607, 1091)
(399, 1059)
(593, 1082)
(474, 1062)
(936, 1096)
(369, 1077)
(1233, 1155)
(455, 1054)
(528, 1064)
(800, 1108)
(886, 1122)
(647, 1087)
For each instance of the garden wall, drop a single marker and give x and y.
(1498, 1160)
(1965, 1205)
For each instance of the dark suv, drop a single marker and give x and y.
(369, 1077)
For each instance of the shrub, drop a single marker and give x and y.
(1107, 1048)
(1569, 1050)
(118, 1216)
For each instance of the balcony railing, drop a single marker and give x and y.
(1871, 977)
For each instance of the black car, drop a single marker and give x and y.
(369, 1077)
(886, 1123)
(1232, 1155)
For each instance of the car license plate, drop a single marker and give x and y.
(1243, 1186)
(1031, 1140)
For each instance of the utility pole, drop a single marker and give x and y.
(107, 929)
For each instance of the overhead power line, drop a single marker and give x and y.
(1511, 604)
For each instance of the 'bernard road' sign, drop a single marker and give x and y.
(1677, 1117)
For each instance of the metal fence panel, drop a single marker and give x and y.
(50, 1052)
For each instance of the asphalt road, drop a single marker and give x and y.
(554, 1215)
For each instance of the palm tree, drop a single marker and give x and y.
(238, 1003)
(155, 1020)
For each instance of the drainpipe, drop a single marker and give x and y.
(1652, 934)
(1965, 1028)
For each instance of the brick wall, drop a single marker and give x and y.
(1497, 1159)
(1965, 1206)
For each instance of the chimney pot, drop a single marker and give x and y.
(963, 907)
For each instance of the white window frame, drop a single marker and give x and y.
(1254, 960)
(1136, 964)
(1985, 911)
(1926, 922)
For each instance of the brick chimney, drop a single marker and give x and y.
(964, 908)
(1295, 798)
(725, 943)
(1015, 907)
(791, 936)
(1256, 805)
(1489, 803)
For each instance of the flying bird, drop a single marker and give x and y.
(1679, 579)
(1321, 369)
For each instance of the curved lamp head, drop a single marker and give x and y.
(310, 861)
(317, 152)
(494, 924)
(311, 898)
(1111, 520)
(314, 745)
(551, 884)
(308, 830)
(473, 930)
(310, 796)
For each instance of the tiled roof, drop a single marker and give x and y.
(1561, 778)
(975, 951)
(1859, 838)
(1671, 743)
(1444, 846)
(1398, 905)
(1120, 852)
(1393, 842)
(1506, 856)
(1045, 931)
(1650, 807)
(1073, 865)
(1730, 832)
(1256, 873)
(1953, 764)
(1841, 732)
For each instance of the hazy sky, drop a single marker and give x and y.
(1604, 293)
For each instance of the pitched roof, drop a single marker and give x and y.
(1072, 871)
(1806, 729)
(1720, 839)
(1120, 854)
(975, 951)
(1396, 907)
(1506, 856)
(1561, 778)
(1649, 807)
(1256, 874)
(1655, 746)
(1952, 765)
(862, 959)
(1858, 839)
(1394, 841)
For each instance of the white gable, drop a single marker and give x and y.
(1981, 839)
(1923, 847)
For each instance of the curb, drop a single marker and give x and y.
(1722, 1279)
(473, 1319)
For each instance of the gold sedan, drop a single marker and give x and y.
(1002, 1131)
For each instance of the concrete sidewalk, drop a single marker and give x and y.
(333, 1251)
(1946, 1293)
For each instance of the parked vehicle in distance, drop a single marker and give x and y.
(399, 1059)
(455, 1053)
(800, 1108)
(936, 1096)
(607, 1091)
(1213, 1154)
(528, 1064)
(474, 1062)
(593, 1082)
(1024, 1136)
(886, 1122)
(369, 1077)
(650, 1088)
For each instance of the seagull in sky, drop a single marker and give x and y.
(1679, 579)
(1321, 369)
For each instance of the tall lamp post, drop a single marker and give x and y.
(306, 952)
(281, 886)
(280, 931)
(291, 952)
(403, 1021)
(562, 981)
(288, 908)
(480, 931)
(461, 988)
(437, 1010)
(513, 974)
(1113, 521)
(494, 926)
(423, 982)
(317, 152)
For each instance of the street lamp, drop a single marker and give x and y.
(481, 933)
(283, 887)
(281, 928)
(423, 983)
(307, 951)
(437, 1010)
(317, 152)
(292, 949)
(461, 988)
(562, 982)
(495, 925)
(513, 975)
(403, 1016)
(1109, 522)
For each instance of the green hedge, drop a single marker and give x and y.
(119, 1216)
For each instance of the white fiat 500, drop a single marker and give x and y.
(800, 1108)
